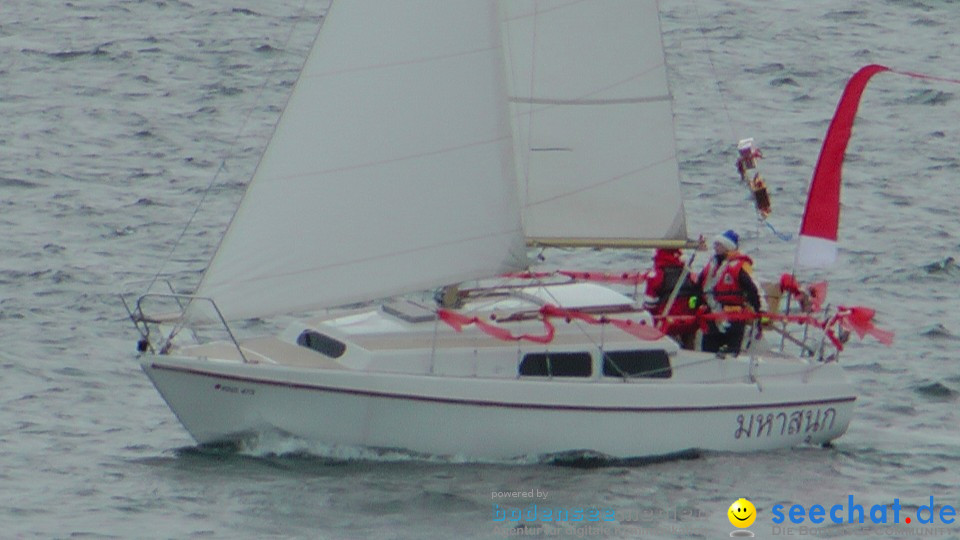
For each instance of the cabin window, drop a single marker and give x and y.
(649, 363)
(324, 345)
(557, 364)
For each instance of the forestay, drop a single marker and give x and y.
(390, 170)
(594, 122)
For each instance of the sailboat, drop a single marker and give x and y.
(429, 153)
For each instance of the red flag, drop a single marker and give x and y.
(860, 320)
(789, 284)
(455, 320)
(817, 247)
(818, 293)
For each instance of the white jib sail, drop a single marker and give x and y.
(594, 121)
(391, 169)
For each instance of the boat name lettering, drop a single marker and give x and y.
(788, 422)
(234, 389)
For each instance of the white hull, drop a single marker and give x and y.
(504, 418)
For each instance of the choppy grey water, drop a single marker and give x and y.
(115, 116)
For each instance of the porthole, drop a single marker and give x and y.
(324, 345)
(640, 363)
(556, 365)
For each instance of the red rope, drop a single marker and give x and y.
(857, 319)
(637, 329)
(623, 278)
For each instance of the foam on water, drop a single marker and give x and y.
(277, 445)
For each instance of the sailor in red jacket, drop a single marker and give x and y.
(668, 269)
(728, 287)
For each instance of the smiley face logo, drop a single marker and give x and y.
(742, 513)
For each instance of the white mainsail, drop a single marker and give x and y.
(391, 169)
(593, 121)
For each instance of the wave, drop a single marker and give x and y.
(937, 391)
(938, 331)
(71, 54)
(588, 459)
(284, 449)
(928, 97)
(947, 266)
(17, 183)
(287, 451)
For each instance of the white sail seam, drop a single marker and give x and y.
(585, 98)
(667, 159)
(508, 233)
(422, 60)
(391, 160)
(620, 101)
(545, 10)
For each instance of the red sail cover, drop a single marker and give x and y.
(818, 231)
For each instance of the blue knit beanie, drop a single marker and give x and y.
(728, 239)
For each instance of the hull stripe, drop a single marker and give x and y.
(477, 403)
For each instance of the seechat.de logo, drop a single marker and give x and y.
(852, 512)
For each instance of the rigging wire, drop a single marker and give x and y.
(223, 162)
(724, 100)
(715, 73)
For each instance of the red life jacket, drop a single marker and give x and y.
(723, 283)
(668, 267)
